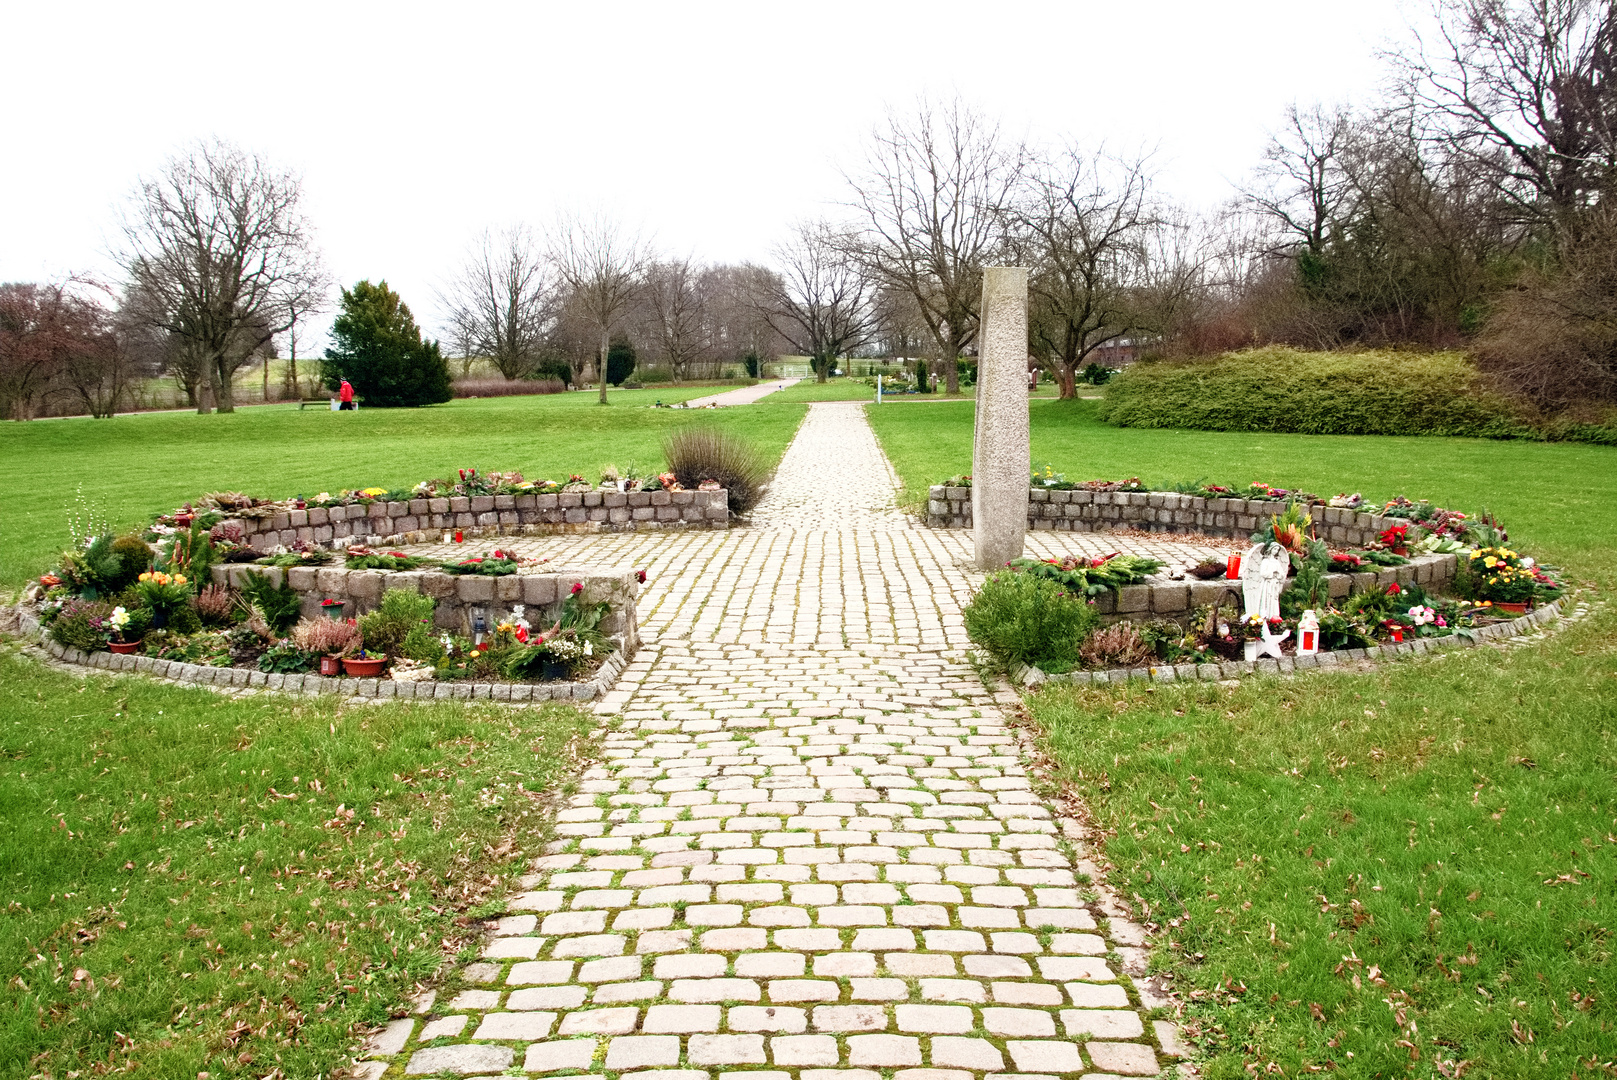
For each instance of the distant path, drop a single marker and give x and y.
(744, 396)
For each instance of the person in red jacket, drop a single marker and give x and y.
(345, 396)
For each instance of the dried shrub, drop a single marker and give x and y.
(479, 388)
(326, 636)
(1117, 646)
(1208, 569)
(1553, 339)
(698, 454)
(219, 605)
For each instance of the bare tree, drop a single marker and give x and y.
(820, 299)
(96, 370)
(737, 328)
(930, 196)
(1082, 226)
(309, 296)
(1526, 88)
(1301, 188)
(217, 247)
(676, 313)
(603, 266)
(502, 303)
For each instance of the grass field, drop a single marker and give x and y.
(201, 885)
(1384, 874)
(1559, 499)
(132, 467)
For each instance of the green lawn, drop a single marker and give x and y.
(830, 390)
(1433, 841)
(132, 467)
(1558, 499)
(200, 884)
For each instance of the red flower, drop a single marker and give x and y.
(578, 587)
(1393, 589)
(640, 576)
(522, 635)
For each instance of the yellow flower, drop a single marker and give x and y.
(373, 491)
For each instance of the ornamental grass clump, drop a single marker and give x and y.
(700, 454)
(1028, 619)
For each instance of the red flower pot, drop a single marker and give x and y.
(1513, 609)
(331, 665)
(364, 668)
(124, 648)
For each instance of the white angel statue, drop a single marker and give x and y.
(1263, 579)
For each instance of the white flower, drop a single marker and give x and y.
(119, 618)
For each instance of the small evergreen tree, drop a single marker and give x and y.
(377, 346)
(620, 360)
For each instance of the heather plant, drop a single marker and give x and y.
(327, 637)
(218, 606)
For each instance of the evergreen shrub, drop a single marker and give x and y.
(1277, 388)
(1025, 618)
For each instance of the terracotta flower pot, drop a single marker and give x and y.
(1513, 609)
(369, 666)
(124, 648)
(331, 665)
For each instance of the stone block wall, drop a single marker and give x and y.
(1167, 512)
(1156, 511)
(460, 597)
(422, 521)
(1162, 598)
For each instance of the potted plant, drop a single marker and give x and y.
(118, 622)
(162, 594)
(1251, 630)
(364, 664)
(328, 639)
(1498, 576)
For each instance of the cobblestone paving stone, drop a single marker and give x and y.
(812, 850)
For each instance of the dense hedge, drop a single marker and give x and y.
(1335, 393)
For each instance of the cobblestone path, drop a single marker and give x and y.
(812, 850)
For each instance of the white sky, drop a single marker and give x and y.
(712, 124)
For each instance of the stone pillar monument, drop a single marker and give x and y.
(1000, 459)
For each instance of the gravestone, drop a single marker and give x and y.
(1000, 459)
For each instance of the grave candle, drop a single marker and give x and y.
(1233, 567)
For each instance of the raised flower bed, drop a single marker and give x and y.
(475, 505)
(484, 621)
(1418, 574)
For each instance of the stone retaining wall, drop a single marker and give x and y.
(378, 688)
(1156, 511)
(1165, 512)
(422, 521)
(1164, 598)
(461, 597)
(1230, 669)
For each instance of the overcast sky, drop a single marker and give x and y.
(712, 124)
